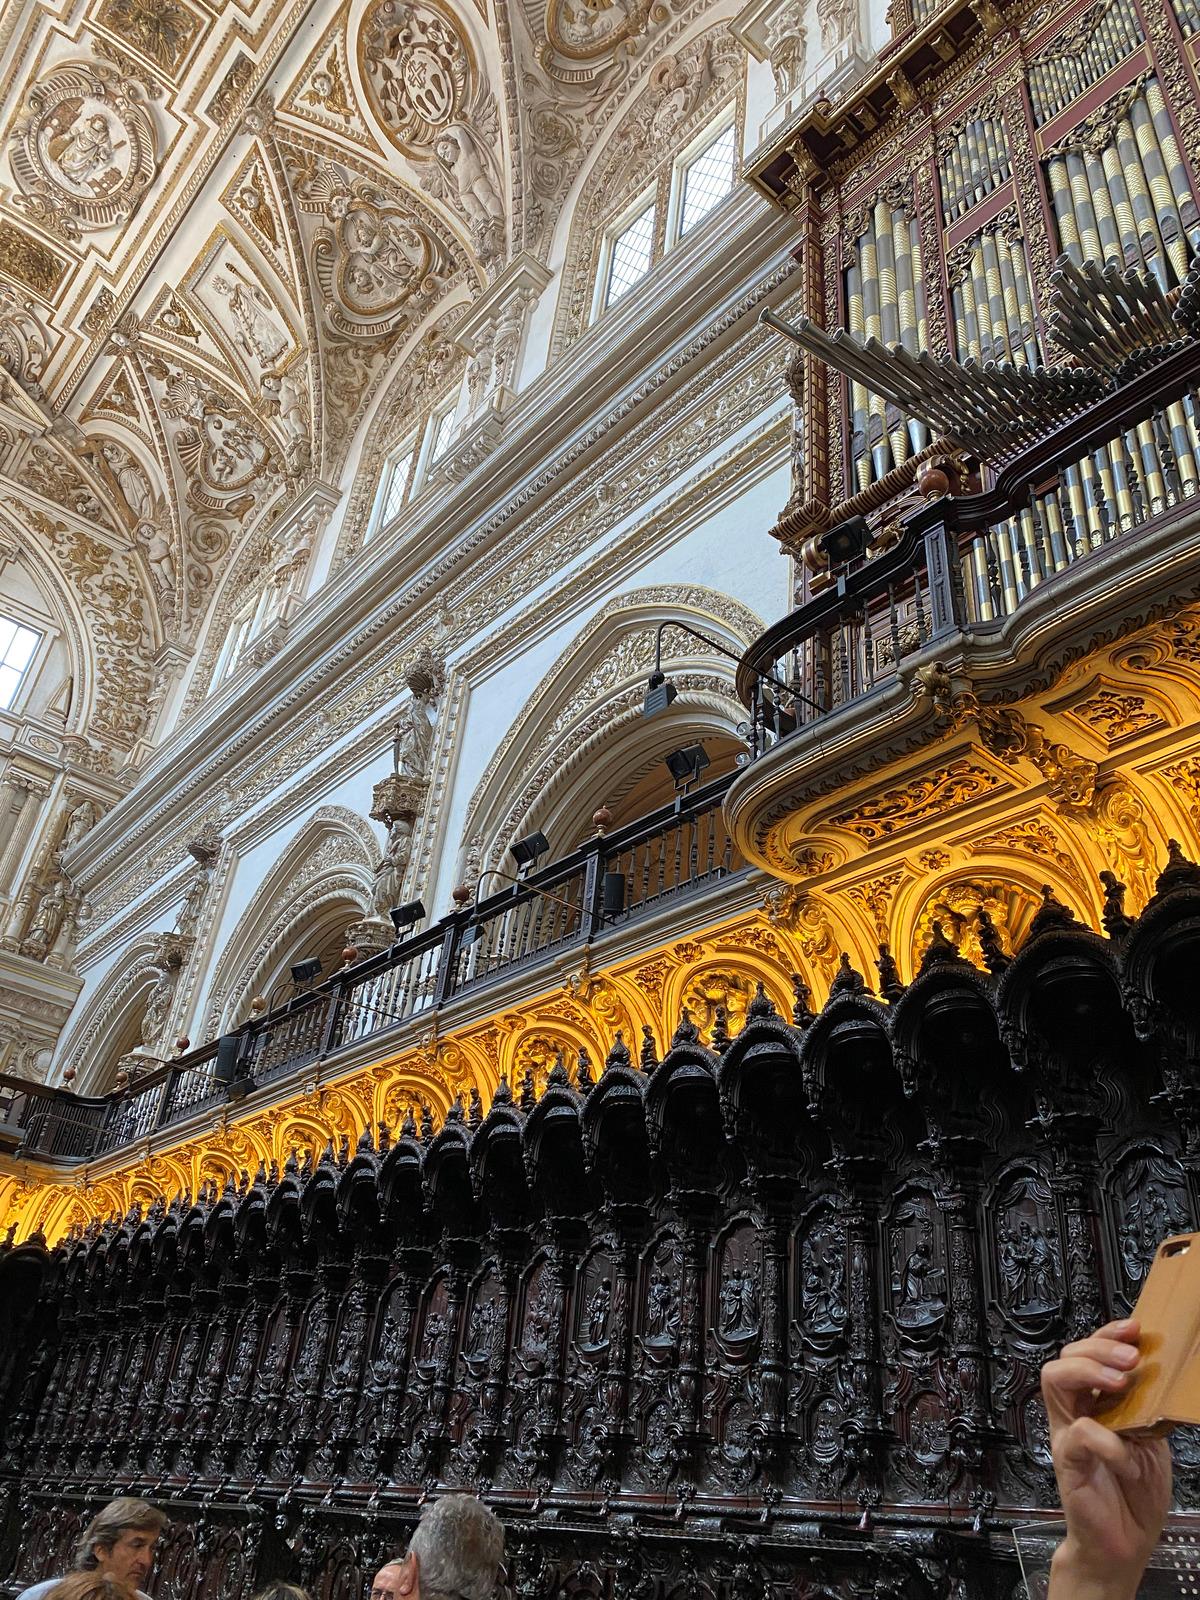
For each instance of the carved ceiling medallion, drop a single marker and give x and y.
(84, 153)
(370, 259)
(417, 68)
(581, 30)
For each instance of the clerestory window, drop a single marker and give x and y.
(17, 645)
(698, 180)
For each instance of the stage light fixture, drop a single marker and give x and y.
(845, 541)
(686, 765)
(660, 692)
(406, 916)
(305, 971)
(528, 850)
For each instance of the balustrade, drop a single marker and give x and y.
(675, 850)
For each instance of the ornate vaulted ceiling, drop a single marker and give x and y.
(224, 228)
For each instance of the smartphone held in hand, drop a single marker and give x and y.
(1164, 1391)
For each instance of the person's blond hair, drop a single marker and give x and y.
(90, 1586)
(109, 1523)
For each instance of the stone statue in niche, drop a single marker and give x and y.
(412, 745)
(130, 479)
(256, 332)
(48, 917)
(160, 557)
(82, 819)
(464, 161)
(787, 42)
(284, 397)
(168, 962)
(836, 18)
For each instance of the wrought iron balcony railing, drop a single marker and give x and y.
(661, 858)
(964, 565)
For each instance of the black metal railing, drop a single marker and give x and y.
(964, 565)
(677, 850)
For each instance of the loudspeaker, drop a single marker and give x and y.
(229, 1048)
(613, 895)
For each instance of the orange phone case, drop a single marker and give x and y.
(1165, 1390)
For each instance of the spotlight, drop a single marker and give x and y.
(845, 542)
(405, 916)
(612, 902)
(659, 694)
(469, 936)
(526, 851)
(306, 971)
(686, 765)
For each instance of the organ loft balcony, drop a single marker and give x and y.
(999, 639)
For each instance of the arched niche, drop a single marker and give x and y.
(110, 1025)
(319, 885)
(582, 740)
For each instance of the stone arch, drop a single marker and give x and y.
(322, 878)
(684, 91)
(582, 738)
(110, 1024)
(1010, 892)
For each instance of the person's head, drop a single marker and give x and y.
(278, 1590)
(120, 1540)
(454, 1554)
(91, 1585)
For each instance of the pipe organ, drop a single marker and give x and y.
(938, 197)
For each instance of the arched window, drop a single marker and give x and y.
(683, 196)
(663, 171)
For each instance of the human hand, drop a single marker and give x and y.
(1115, 1490)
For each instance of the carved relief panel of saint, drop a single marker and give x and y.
(435, 1334)
(736, 1286)
(658, 1314)
(1149, 1202)
(1026, 1252)
(596, 1291)
(820, 1295)
(485, 1327)
(918, 1286)
(537, 1319)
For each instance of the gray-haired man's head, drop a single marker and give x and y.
(454, 1554)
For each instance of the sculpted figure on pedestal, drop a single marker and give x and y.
(46, 921)
(389, 875)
